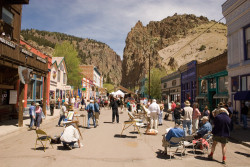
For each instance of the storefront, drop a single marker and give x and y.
(212, 82)
(188, 82)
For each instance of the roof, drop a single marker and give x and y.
(57, 61)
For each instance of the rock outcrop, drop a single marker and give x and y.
(167, 42)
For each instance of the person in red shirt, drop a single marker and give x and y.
(173, 105)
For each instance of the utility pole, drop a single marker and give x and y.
(149, 76)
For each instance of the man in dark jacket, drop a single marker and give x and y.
(221, 132)
(244, 112)
(114, 105)
(177, 113)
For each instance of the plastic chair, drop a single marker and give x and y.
(42, 137)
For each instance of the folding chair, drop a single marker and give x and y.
(188, 142)
(206, 139)
(178, 145)
(132, 122)
(42, 137)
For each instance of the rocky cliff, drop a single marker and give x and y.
(90, 52)
(170, 43)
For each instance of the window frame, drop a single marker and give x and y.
(246, 56)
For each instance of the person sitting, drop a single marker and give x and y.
(70, 136)
(204, 129)
(174, 132)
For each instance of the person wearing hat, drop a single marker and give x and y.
(63, 111)
(204, 129)
(154, 109)
(177, 113)
(187, 113)
(38, 111)
(221, 133)
(91, 111)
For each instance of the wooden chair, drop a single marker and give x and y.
(132, 122)
(42, 137)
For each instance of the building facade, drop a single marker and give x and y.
(188, 82)
(17, 64)
(212, 82)
(237, 16)
(171, 87)
(58, 79)
(91, 82)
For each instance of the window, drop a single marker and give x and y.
(7, 16)
(38, 89)
(4, 97)
(30, 90)
(223, 84)
(58, 76)
(212, 83)
(247, 42)
(165, 85)
(64, 78)
(174, 83)
(243, 83)
(204, 86)
(235, 84)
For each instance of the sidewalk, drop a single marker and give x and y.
(241, 135)
(11, 126)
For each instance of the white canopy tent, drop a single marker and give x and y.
(119, 93)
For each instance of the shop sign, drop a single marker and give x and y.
(26, 52)
(6, 42)
(41, 59)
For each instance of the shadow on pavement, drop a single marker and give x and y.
(245, 154)
(196, 152)
(162, 155)
(206, 159)
(40, 149)
(107, 122)
(124, 136)
(62, 148)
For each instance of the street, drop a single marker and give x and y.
(103, 146)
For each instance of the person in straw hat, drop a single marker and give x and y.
(187, 118)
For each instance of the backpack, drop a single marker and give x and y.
(90, 109)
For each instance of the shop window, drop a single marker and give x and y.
(38, 90)
(247, 42)
(30, 90)
(212, 83)
(7, 16)
(4, 97)
(204, 86)
(235, 84)
(223, 84)
(243, 83)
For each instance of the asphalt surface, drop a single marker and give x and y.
(103, 146)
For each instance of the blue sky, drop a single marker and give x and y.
(109, 21)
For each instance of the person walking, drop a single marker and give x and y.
(177, 113)
(63, 111)
(154, 110)
(91, 111)
(195, 117)
(160, 114)
(115, 113)
(52, 106)
(82, 102)
(187, 120)
(32, 114)
(221, 133)
(97, 113)
(244, 112)
(173, 105)
(38, 111)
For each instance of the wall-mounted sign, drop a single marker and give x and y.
(41, 59)
(26, 52)
(6, 42)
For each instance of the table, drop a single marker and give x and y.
(84, 118)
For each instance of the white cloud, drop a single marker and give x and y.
(109, 21)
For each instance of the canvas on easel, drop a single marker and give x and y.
(70, 115)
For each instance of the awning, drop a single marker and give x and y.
(220, 96)
(201, 97)
(242, 95)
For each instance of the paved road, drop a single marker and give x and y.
(103, 147)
